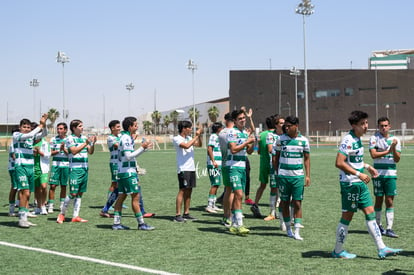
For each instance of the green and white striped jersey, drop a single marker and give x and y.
(126, 168)
(80, 160)
(292, 151)
(385, 165)
(237, 160)
(351, 147)
(60, 159)
(214, 143)
(111, 141)
(23, 147)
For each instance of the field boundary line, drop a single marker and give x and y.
(94, 260)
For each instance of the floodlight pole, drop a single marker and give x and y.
(129, 87)
(305, 9)
(63, 58)
(34, 83)
(192, 67)
(296, 73)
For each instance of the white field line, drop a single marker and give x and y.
(88, 259)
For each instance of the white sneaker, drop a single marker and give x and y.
(296, 236)
(23, 224)
(44, 211)
(289, 233)
(31, 215)
(31, 224)
(299, 225)
(12, 214)
(50, 210)
(210, 209)
(218, 209)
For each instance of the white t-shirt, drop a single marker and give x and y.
(185, 157)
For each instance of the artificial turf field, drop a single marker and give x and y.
(204, 246)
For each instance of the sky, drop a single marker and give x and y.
(148, 43)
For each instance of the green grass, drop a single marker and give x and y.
(204, 246)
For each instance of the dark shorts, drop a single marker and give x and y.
(187, 179)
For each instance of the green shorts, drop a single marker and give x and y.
(25, 177)
(59, 176)
(214, 174)
(385, 186)
(40, 178)
(291, 187)
(128, 185)
(225, 175)
(78, 180)
(113, 167)
(13, 179)
(237, 178)
(354, 196)
(264, 172)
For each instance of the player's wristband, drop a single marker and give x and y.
(90, 143)
(366, 166)
(357, 174)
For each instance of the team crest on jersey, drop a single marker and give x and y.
(300, 143)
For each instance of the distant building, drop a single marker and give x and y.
(392, 60)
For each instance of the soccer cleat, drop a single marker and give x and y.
(31, 224)
(391, 233)
(146, 227)
(226, 222)
(210, 209)
(249, 201)
(119, 227)
(282, 226)
(23, 224)
(298, 225)
(289, 233)
(383, 231)
(12, 215)
(218, 209)
(148, 215)
(387, 251)
(243, 230)
(179, 218)
(43, 211)
(78, 219)
(188, 217)
(270, 218)
(60, 218)
(256, 211)
(31, 215)
(343, 255)
(106, 214)
(296, 236)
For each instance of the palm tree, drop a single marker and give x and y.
(156, 119)
(53, 115)
(166, 122)
(191, 114)
(213, 113)
(147, 127)
(174, 119)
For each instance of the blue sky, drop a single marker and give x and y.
(148, 43)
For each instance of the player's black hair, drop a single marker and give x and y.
(236, 113)
(24, 121)
(356, 116)
(382, 119)
(216, 126)
(112, 123)
(127, 122)
(184, 124)
(74, 123)
(65, 126)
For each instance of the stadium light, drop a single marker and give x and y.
(305, 8)
(192, 67)
(34, 83)
(129, 87)
(63, 58)
(296, 73)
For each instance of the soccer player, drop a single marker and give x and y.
(13, 180)
(354, 191)
(128, 181)
(292, 163)
(214, 167)
(184, 147)
(42, 154)
(24, 163)
(385, 149)
(227, 196)
(239, 144)
(79, 146)
(59, 174)
(113, 144)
